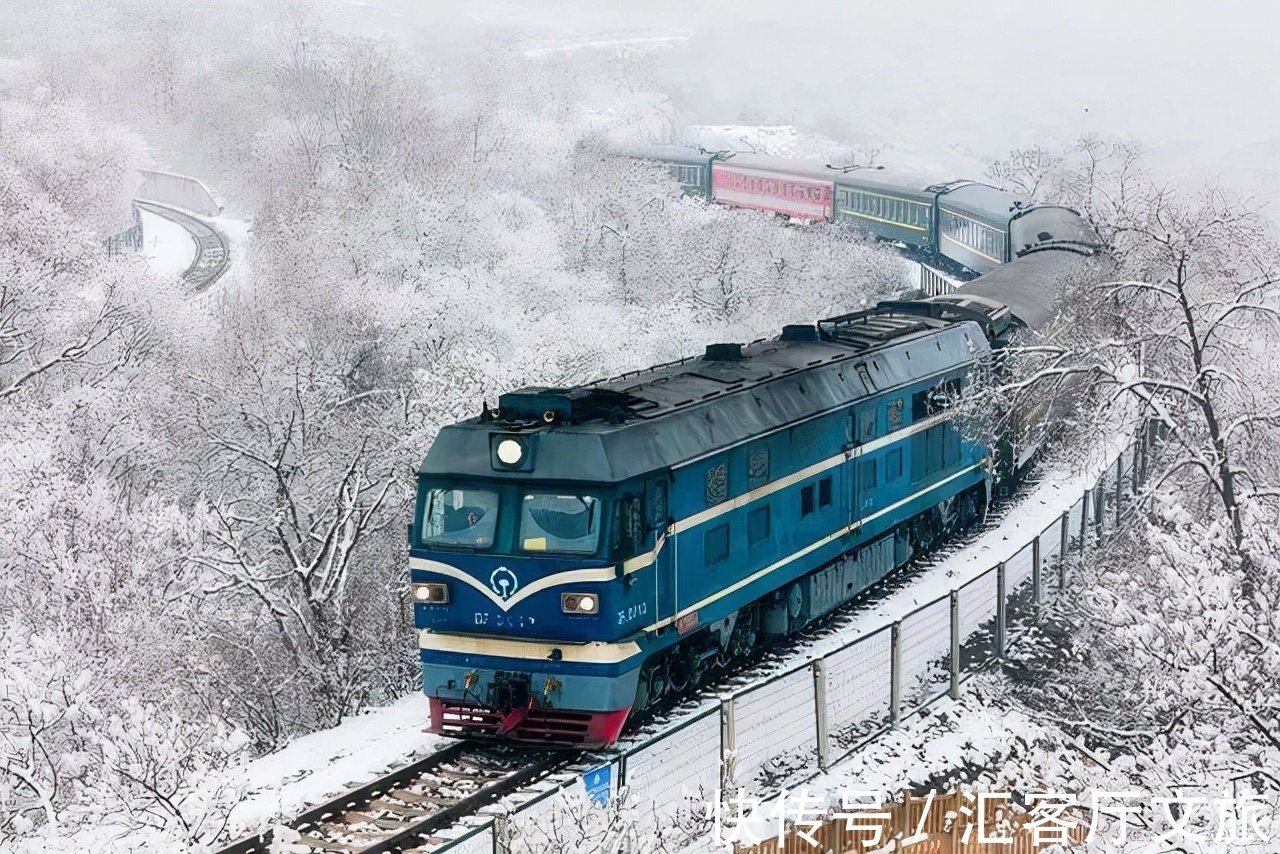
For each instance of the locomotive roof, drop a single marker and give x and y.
(1032, 286)
(661, 417)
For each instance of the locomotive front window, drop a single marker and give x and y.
(465, 518)
(562, 524)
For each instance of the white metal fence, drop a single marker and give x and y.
(821, 710)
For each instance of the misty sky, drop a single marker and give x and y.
(1192, 80)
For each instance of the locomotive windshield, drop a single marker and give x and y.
(460, 517)
(567, 524)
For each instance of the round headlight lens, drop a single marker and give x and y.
(422, 592)
(510, 451)
(586, 603)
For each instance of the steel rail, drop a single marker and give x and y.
(212, 254)
(343, 815)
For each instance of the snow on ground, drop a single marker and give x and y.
(326, 763)
(168, 247)
(947, 735)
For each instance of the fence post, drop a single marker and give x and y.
(501, 835)
(955, 645)
(1035, 570)
(1084, 519)
(1064, 538)
(1099, 507)
(1001, 610)
(1119, 485)
(727, 744)
(820, 710)
(1133, 475)
(895, 674)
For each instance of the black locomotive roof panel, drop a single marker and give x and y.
(1032, 284)
(665, 416)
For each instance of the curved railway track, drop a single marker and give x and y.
(212, 254)
(401, 811)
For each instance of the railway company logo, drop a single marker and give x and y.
(504, 582)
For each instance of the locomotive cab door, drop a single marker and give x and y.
(658, 519)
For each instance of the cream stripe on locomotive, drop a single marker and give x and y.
(595, 652)
(573, 576)
(641, 561)
(814, 546)
(606, 653)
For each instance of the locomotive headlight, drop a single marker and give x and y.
(579, 603)
(431, 593)
(510, 452)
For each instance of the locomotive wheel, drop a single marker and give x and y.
(970, 510)
(679, 673)
(795, 606)
(652, 682)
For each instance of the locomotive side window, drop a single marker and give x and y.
(715, 545)
(824, 492)
(563, 524)
(758, 525)
(806, 501)
(656, 491)
(866, 421)
(630, 533)
(465, 518)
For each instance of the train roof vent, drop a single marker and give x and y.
(800, 332)
(867, 329)
(528, 406)
(723, 353)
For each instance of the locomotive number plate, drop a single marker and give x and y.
(484, 618)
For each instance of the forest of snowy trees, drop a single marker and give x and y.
(202, 542)
(203, 500)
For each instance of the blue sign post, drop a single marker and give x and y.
(598, 783)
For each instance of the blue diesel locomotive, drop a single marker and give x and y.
(577, 554)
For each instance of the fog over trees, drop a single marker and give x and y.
(203, 499)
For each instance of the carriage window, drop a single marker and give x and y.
(806, 501)
(563, 524)
(465, 518)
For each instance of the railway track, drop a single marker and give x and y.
(401, 811)
(212, 255)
